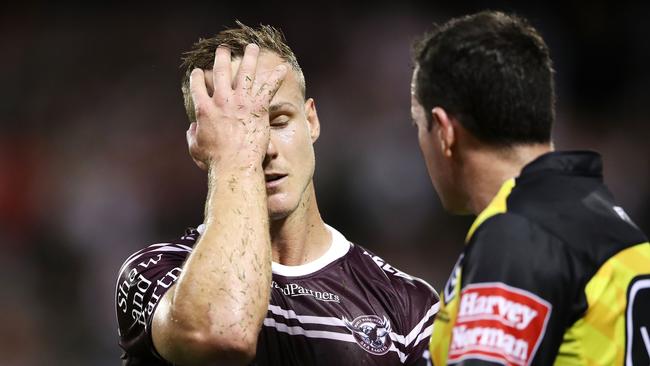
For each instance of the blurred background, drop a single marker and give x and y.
(93, 162)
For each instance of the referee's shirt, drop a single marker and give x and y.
(554, 272)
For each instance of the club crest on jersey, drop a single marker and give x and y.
(371, 333)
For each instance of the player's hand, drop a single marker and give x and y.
(232, 125)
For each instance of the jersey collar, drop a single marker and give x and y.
(586, 163)
(338, 248)
(497, 205)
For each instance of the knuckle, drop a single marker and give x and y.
(200, 110)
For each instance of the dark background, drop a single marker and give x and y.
(93, 162)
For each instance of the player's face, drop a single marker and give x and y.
(289, 162)
(430, 146)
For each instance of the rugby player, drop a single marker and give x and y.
(553, 270)
(263, 280)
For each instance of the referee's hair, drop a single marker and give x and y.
(201, 55)
(493, 73)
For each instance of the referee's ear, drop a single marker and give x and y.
(442, 130)
(312, 119)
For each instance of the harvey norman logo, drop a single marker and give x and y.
(294, 289)
(498, 322)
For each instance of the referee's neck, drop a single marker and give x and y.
(487, 169)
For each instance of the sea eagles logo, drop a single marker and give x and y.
(371, 333)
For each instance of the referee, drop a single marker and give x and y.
(553, 271)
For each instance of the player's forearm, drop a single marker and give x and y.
(224, 288)
(216, 308)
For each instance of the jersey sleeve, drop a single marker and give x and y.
(420, 310)
(515, 295)
(143, 280)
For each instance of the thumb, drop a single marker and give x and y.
(190, 135)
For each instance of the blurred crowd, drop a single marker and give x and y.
(93, 162)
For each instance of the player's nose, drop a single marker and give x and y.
(271, 152)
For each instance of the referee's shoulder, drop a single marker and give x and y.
(513, 242)
(507, 229)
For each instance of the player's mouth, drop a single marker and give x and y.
(274, 179)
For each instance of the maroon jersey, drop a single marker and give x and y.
(349, 307)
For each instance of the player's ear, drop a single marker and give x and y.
(312, 119)
(443, 130)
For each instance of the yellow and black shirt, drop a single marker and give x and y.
(553, 273)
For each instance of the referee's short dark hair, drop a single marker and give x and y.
(493, 73)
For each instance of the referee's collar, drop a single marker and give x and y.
(586, 163)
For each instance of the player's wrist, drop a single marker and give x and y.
(249, 169)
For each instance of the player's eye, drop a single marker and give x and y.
(280, 121)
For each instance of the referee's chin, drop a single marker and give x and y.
(454, 205)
